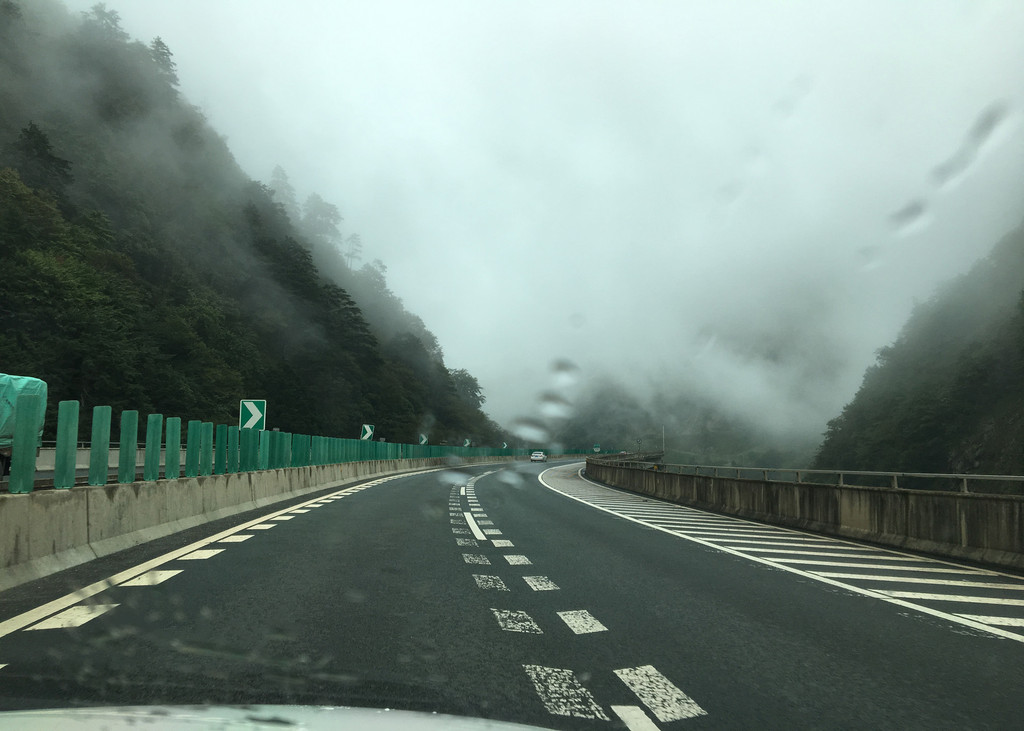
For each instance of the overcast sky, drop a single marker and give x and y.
(744, 196)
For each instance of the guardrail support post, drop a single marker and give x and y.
(25, 443)
(963, 485)
(172, 460)
(206, 448)
(154, 438)
(128, 453)
(67, 445)
(895, 483)
(263, 454)
(99, 449)
(195, 428)
(220, 450)
(232, 462)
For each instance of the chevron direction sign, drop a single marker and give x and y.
(367, 434)
(252, 414)
(423, 438)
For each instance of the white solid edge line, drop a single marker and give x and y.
(471, 522)
(806, 574)
(32, 616)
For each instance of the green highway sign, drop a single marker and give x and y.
(597, 448)
(367, 434)
(252, 414)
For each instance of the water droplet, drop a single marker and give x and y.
(355, 596)
(554, 406)
(566, 372)
(911, 217)
(532, 430)
(983, 129)
(512, 478)
(871, 257)
(452, 477)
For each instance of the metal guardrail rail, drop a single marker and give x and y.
(965, 483)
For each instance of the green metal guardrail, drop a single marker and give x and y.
(209, 449)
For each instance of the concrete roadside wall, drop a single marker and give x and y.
(49, 530)
(984, 528)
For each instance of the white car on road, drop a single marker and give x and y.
(538, 457)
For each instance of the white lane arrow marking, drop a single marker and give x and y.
(254, 417)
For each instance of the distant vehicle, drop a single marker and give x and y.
(538, 457)
(10, 388)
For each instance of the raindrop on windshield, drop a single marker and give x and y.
(529, 429)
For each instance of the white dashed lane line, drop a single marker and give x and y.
(151, 578)
(484, 581)
(540, 583)
(655, 691)
(476, 558)
(582, 622)
(514, 560)
(562, 694)
(237, 538)
(201, 555)
(74, 617)
(502, 543)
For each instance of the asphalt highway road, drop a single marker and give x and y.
(503, 593)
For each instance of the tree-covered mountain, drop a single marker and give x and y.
(141, 268)
(948, 395)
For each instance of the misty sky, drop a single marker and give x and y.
(746, 197)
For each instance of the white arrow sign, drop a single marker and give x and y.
(504, 445)
(252, 414)
(367, 432)
(466, 443)
(423, 438)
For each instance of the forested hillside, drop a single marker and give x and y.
(948, 395)
(140, 267)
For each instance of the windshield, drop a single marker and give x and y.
(338, 275)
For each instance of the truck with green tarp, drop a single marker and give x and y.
(10, 388)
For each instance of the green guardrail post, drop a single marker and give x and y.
(264, 450)
(67, 445)
(248, 445)
(206, 448)
(195, 428)
(154, 439)
(232, 462)
(99, 448)
(128, 454)
(25, 442)
(172, 452)
(286, 449)
(220, 450)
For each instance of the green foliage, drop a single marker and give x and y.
(948, 395)
(158, 277)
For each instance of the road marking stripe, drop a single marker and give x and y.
(74, 617)
(1003, 621)
(492, 532)
(476, 558)
(502, 543)
(514, 620)
(3, 665)
(462, 491)
(919, 580)
(518, 560)
(880, 567)
(755, 544)
(299, 511)
(954, 598)
(562, 694)
(484, 522)
(262, 526)
(540, 583)
(655, 691)
(582, 622)
(634, 718)
(151, 578)
(283, 517)
(458, 521)
(467, 542)
(201, 555)
(471, 522)
(875, 556)
(26, 618)
(461, 532)
(237, 538)
(799, 572)
(484, 581)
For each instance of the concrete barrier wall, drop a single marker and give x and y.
(49, 530)
(984, 528)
